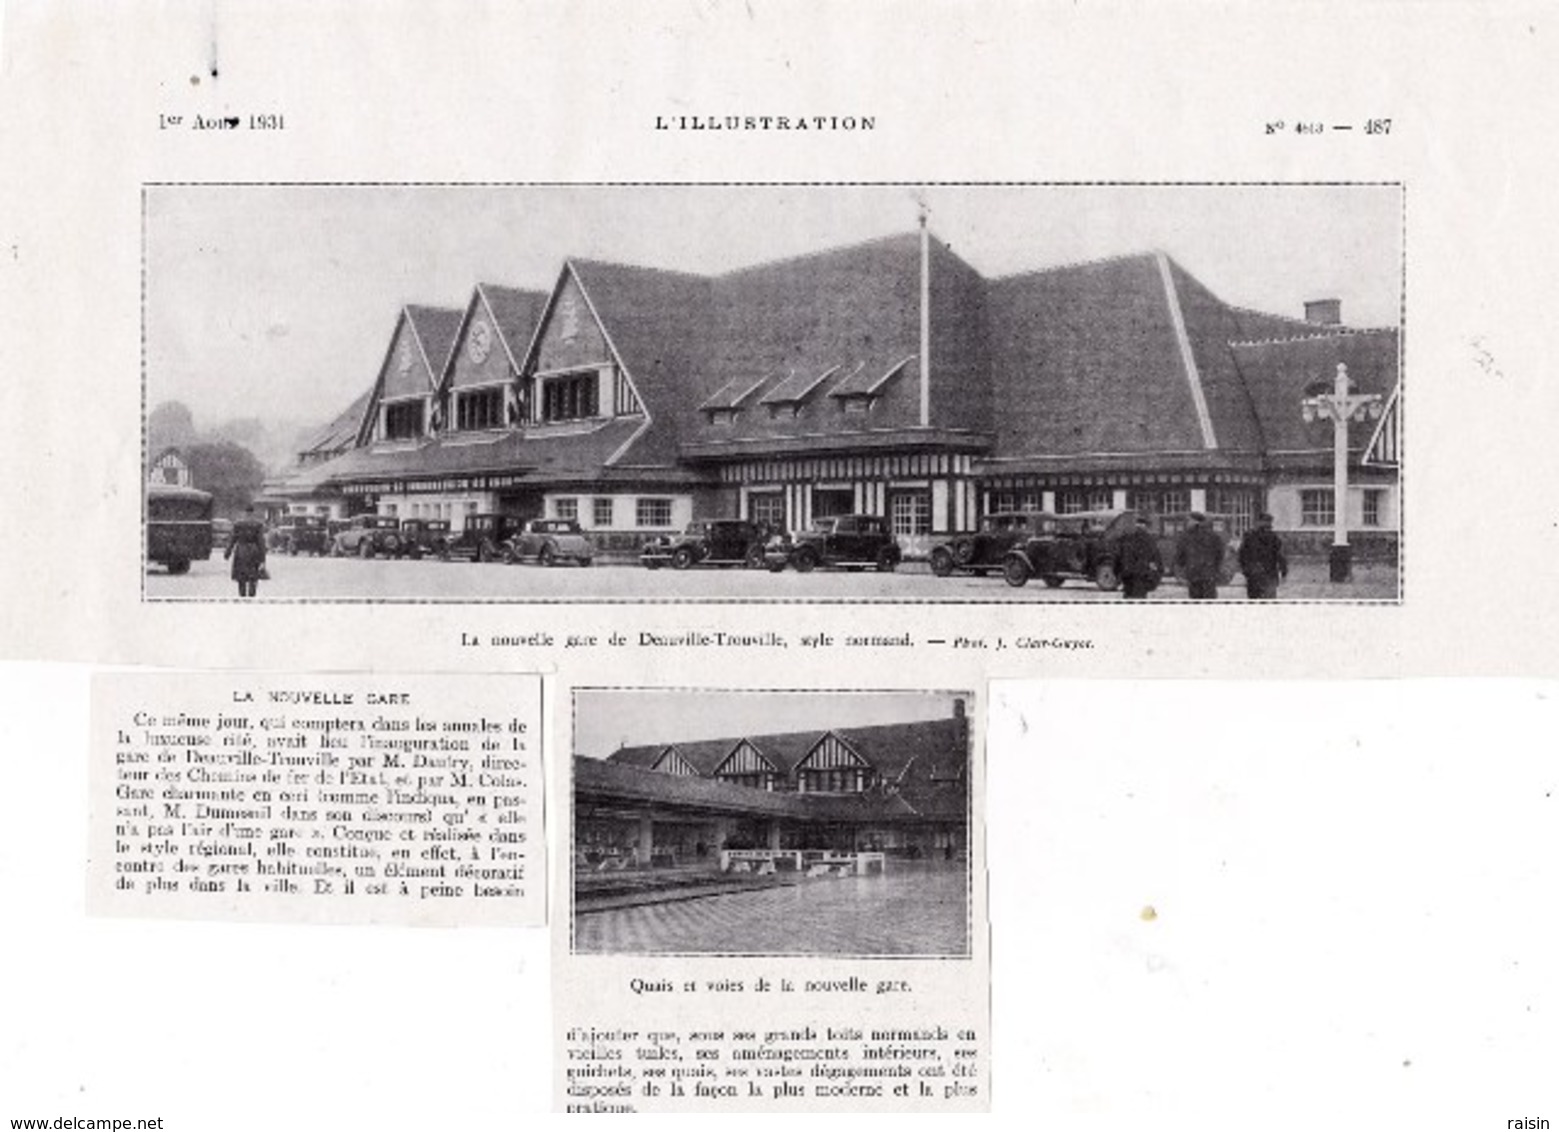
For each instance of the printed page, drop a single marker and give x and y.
(695, 392)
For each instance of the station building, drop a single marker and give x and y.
(899, 789)
(885, 378)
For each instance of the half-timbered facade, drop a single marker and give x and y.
(895, 788)
(887, 378)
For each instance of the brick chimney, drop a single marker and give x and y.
(1326, 312)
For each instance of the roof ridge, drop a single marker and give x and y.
(1341, 332)
(1101, 261)
(513, 290)
(836, 249)
(618, 265)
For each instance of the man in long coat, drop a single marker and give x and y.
(1262, 561)
(1138, 563)
(247, 550)
(1199, 557)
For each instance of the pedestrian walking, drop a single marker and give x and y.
(1138, 563)
(1199, 557)
(1262, 561)
(247, 551)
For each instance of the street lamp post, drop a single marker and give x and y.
(1340, 406)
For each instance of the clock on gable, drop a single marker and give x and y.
(480, 343)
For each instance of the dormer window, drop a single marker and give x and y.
(403, 420)
(572, 397)
(727, 402)
(859, 390)
(477, 409)
(786, 400)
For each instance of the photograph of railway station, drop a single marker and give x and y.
(488, 365)
(698, 828)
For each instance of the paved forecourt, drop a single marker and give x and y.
(353, 578)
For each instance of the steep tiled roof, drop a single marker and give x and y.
(517, 312)
(656, 321)
(608, 780)
(643, 757)
(436, 328)
(924, 761)
(735, 392)
(340, 433)
(846, 315)
(556, 457)
(1086, 360)
(1278, 373)
(798, 386)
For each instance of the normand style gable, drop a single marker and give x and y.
(481, 354)
(745, 759)
(571, 338)
(406, 371)
(672, 762)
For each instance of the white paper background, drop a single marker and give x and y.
(334, 1028)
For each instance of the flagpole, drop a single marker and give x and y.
(925, 319)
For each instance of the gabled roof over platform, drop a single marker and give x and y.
(923, 765)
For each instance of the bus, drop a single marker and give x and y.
(178, 526)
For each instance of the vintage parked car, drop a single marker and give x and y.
(368, 535)
(299, 534)
(483, 537)
(708, 542)
(547, 542)
(985, 551)
(425, 536)
(851, 542)
(1083, 545)
(178, 526)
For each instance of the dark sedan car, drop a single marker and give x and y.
(421, 537)
(850, 542)
(368, 535)
(299, 534)
(483, 536)
(547, 542)
(1083, 545)
(985, 551)
(708, 542)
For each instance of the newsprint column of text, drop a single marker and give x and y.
(308, 797)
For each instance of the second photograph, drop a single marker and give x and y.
(716, 822)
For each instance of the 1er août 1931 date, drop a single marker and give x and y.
(221, 122)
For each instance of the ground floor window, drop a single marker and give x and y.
(566, 507)
(1238, 503)
(1030, 500)
(767, 507)
(827, 501)
(910, 512)
(601, 512)
(652, 513)
(1316, 508)
(1374, 499)
(1070, 501)
(1160, 501)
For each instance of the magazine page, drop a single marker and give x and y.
(814, 438)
